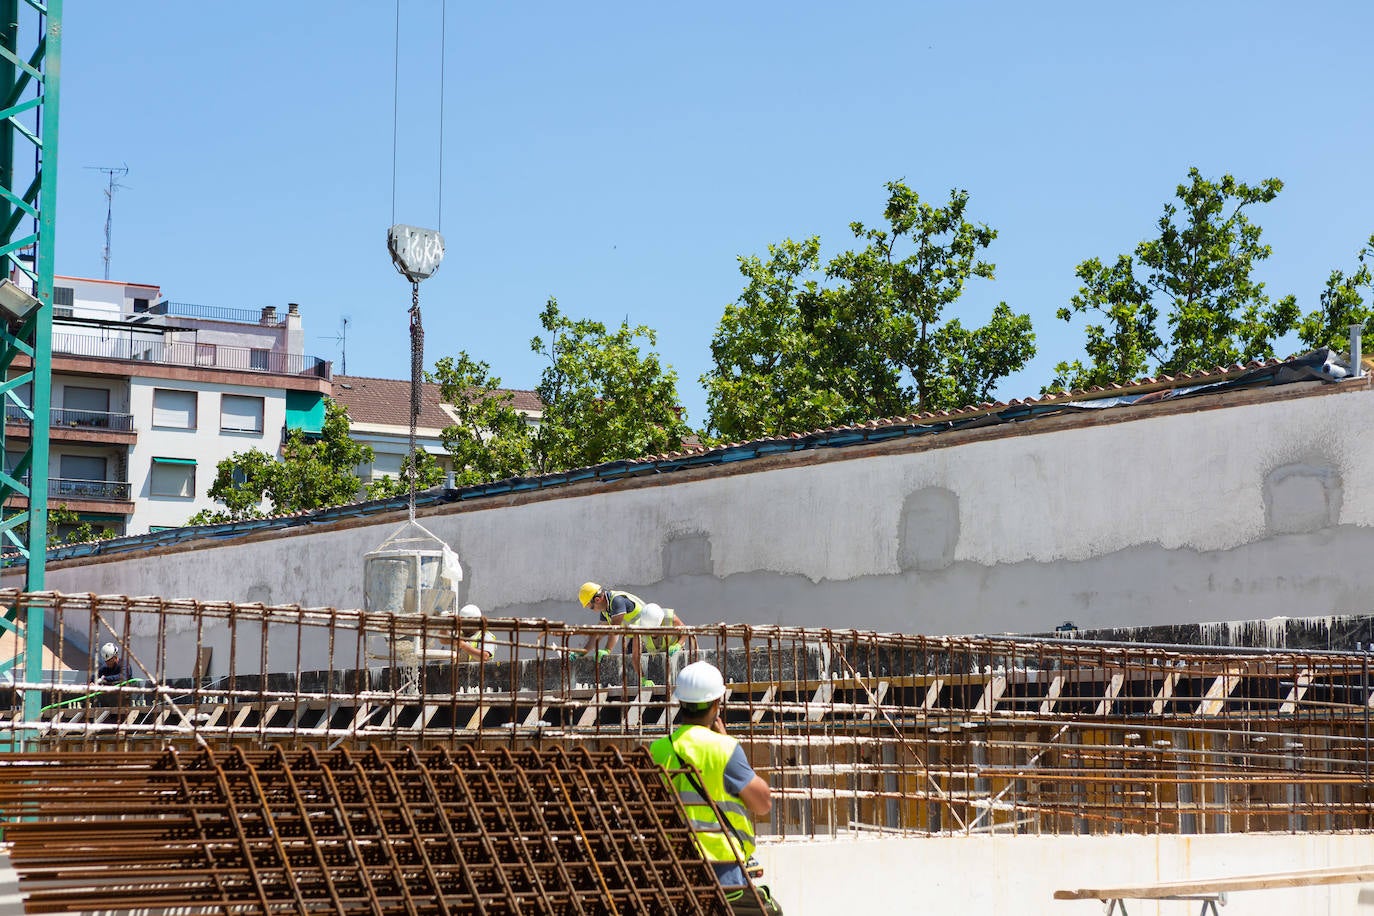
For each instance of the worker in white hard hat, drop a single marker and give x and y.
(722, 773)
(112, 669)
(624, 609)
(474, 640)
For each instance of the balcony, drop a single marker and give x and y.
(143, 348)
(97, 490)
(75, 419)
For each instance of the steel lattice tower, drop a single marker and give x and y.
(30, 46)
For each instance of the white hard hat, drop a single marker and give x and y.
(108, 651)
(651, 615)
(470, 611)
(699, 682)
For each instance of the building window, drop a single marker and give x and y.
(174, 477)
(64, 295)
(239, 414)
(140, 305)
(81, 467)
(174, 409)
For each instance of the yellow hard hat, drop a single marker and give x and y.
(587, 592)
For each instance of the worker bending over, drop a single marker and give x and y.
(631, 611)
(724, 774)
(474, 640)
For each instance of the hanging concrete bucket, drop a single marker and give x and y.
(412, 572)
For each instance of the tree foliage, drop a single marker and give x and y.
(1197, 275)
(603, 398)
(420, 465)
(1343, 303)
(314, 472)
(867, 336)
(491, 440)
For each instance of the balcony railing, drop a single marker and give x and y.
(116, 345)
(79, 419)
(212, 312)
(103, 490)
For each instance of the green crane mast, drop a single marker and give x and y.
(30, 55)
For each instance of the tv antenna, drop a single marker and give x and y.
(114, 173)
(341, 339)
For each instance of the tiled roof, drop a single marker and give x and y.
(1156, 385)
(387, 401)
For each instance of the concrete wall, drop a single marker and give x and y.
(1237, 506)
(1019, 875)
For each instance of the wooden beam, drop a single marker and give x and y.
(1344, 874)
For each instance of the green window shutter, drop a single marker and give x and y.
(190, 461)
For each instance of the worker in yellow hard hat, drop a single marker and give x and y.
(624, 609)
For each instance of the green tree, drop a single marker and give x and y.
(491, 440)
(794, 353)
(421, 465)
(314, 472)
(603, 399)
(1342, 304)
(1196, 276)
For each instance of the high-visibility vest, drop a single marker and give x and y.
(709, 752)
(631, 615)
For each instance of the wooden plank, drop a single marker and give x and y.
(991, 694)
(1166, 690)
(1300, 685)
(1343, 874)
(1214, 701)
(1110, 693)
(1052, 693)
(933, 693)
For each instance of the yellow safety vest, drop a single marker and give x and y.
(631, 615)
(708, 751)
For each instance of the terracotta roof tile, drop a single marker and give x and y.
(387, 401)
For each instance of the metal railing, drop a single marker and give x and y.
(87, 419)
(143, 348)
(101, 490)
(855, 731)
(211, 312)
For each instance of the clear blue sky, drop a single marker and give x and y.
(621, 156)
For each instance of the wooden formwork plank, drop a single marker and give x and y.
(1301, 682)
(1052, 693)
(1166, 692)
(1214, 700)
(1109, 694)
(992, 693)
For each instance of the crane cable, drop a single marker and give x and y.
(417, 332)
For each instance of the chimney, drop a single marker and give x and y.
(269, 315)
(295, 338)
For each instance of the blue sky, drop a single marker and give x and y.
(621, 156)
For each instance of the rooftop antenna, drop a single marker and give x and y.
(341, 339)
(114, 173)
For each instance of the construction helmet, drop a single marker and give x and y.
(470, 611)
(109, 651)
(587, 592)
(699, 682)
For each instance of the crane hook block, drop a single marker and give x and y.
(416, 252)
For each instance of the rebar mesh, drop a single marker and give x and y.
(855, 731)
(416, 832)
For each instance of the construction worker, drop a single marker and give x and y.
(722, 773)
(112, 670)
(475, 641)
(625, 609)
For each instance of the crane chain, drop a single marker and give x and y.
(417, 372)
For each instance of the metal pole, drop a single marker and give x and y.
(1356, 357)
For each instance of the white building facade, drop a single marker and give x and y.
(149, 395)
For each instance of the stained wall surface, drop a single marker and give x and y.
(1236, 506)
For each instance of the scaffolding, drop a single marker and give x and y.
(855, 731)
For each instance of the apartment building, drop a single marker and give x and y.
(148, 395)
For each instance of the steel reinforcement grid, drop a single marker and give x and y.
(855, 731)
(405, 832)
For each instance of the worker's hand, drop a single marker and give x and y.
(719, 724)
(602, 653)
